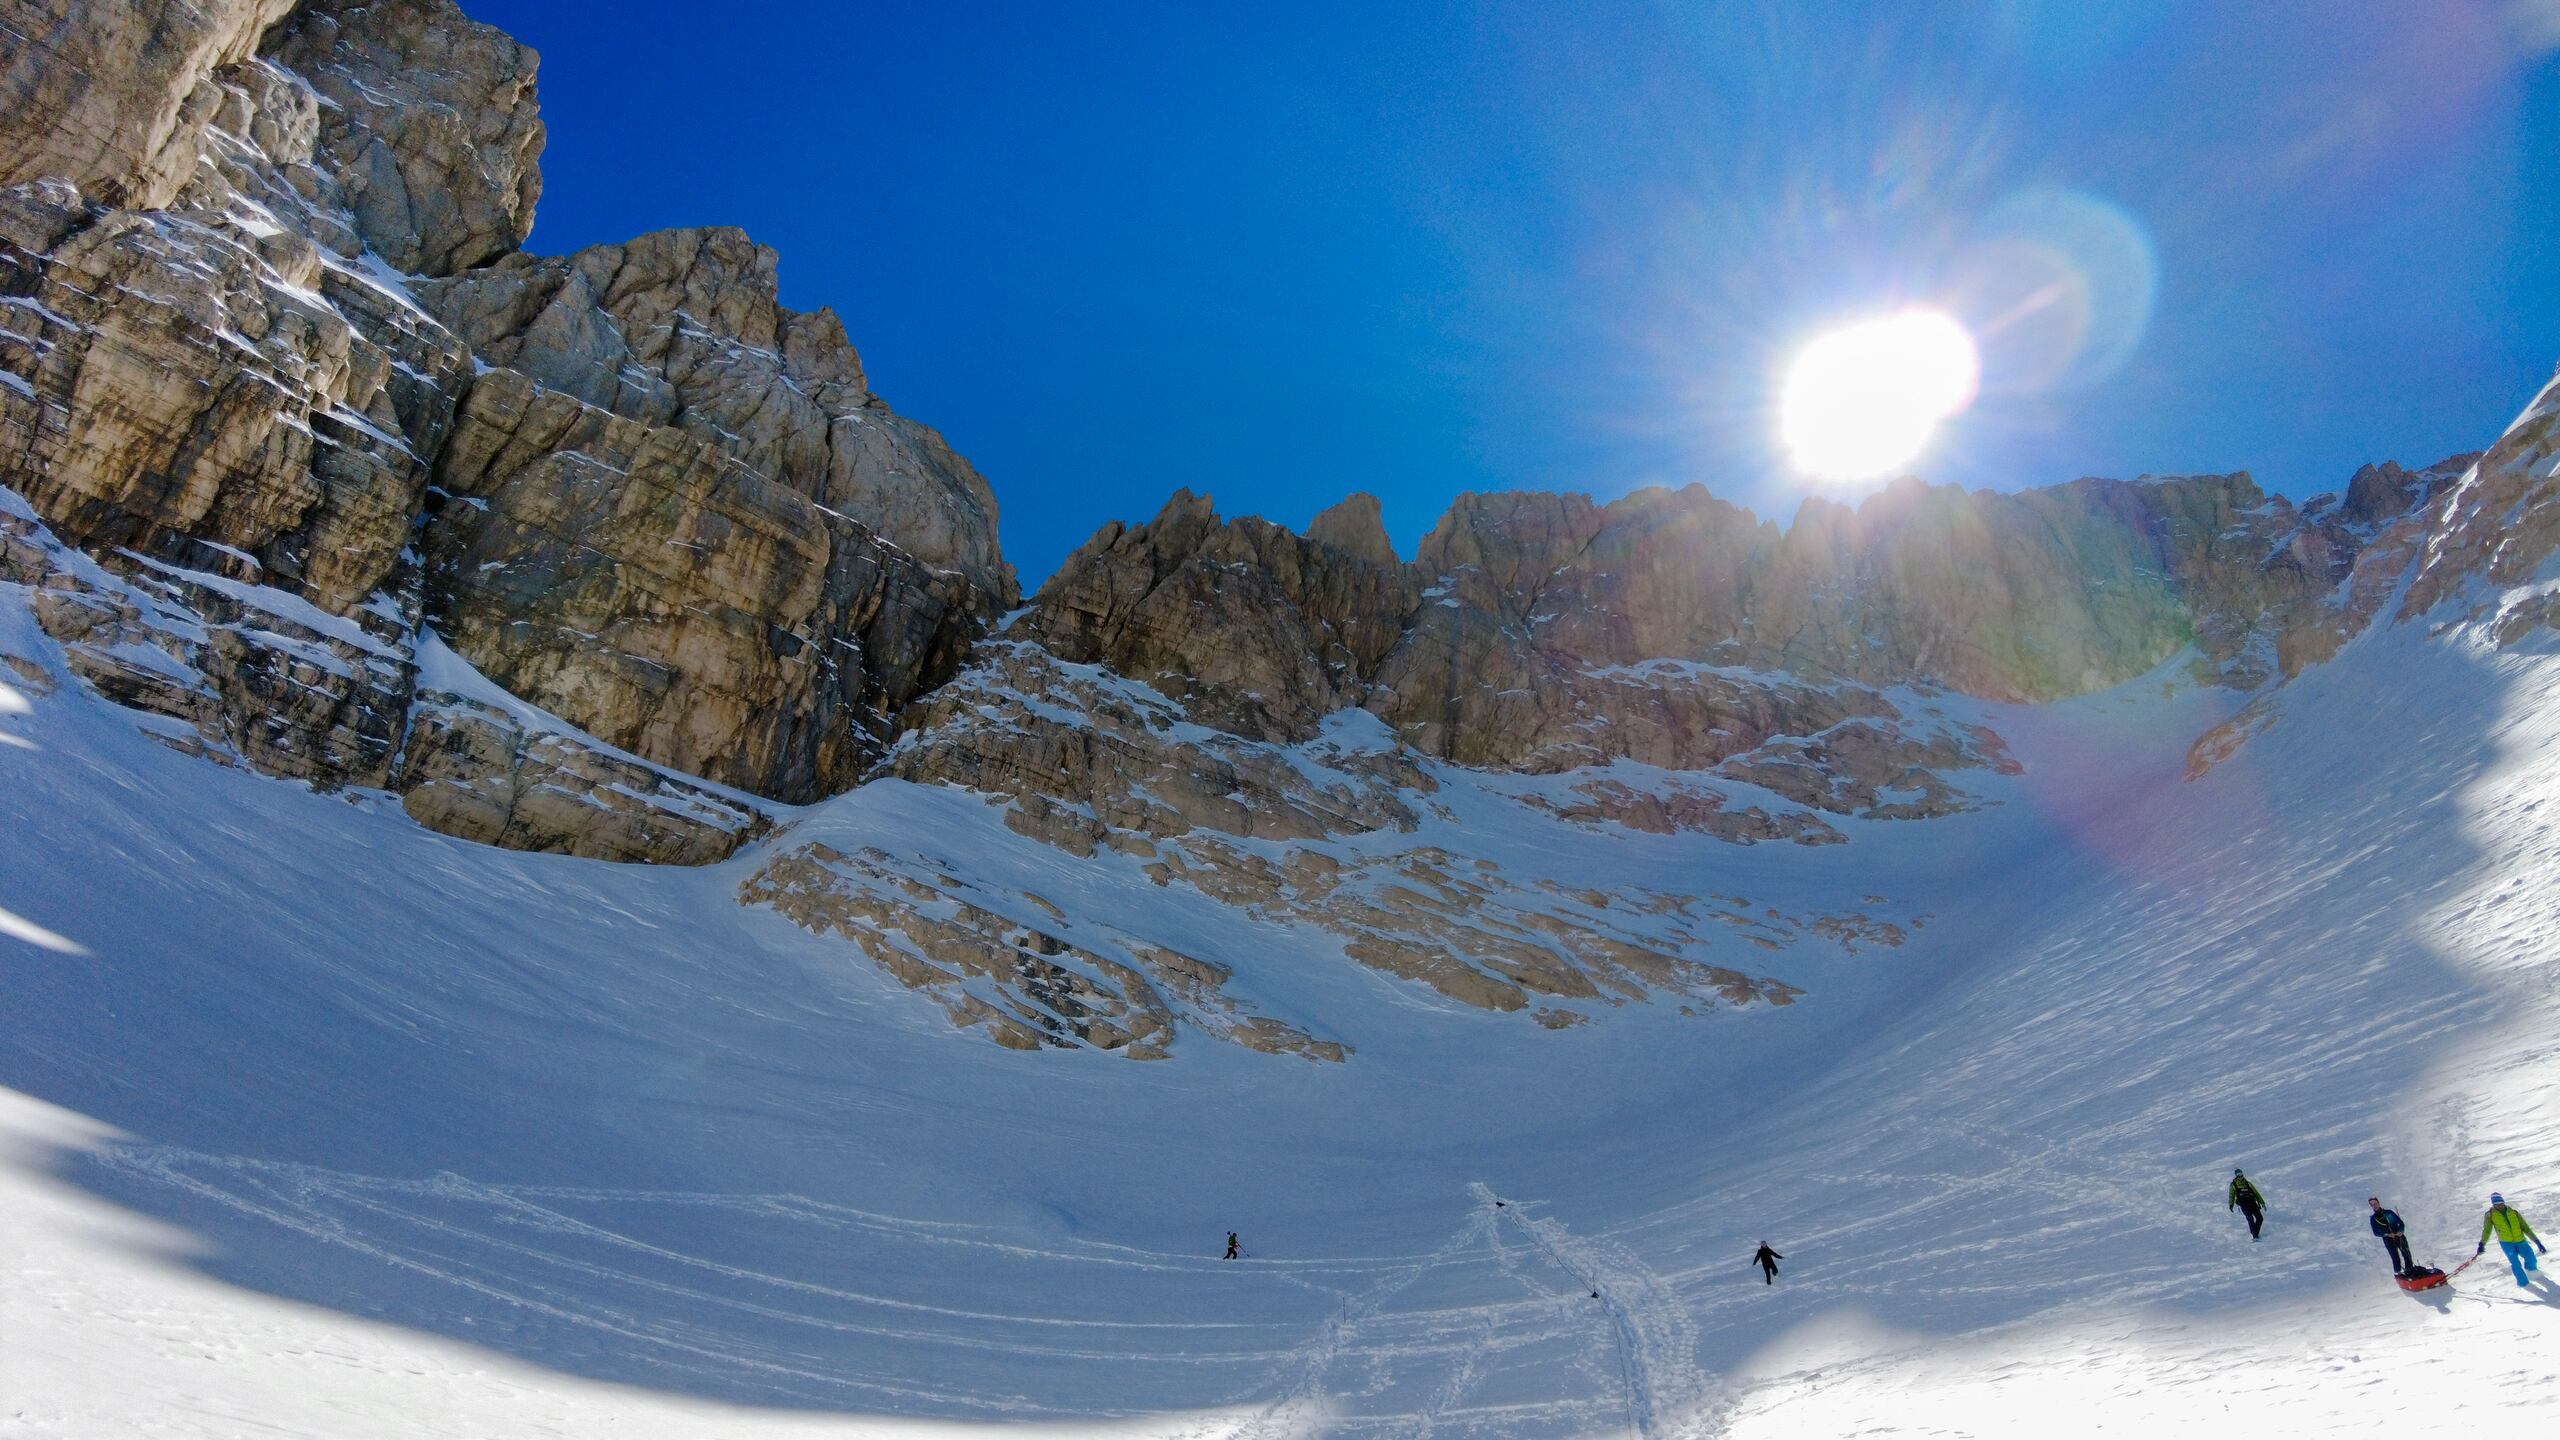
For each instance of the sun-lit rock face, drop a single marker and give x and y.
(643, 583)
(429, 123)
(472, 769)
(1543, 632)
(1257, 630)
(2498, 523)
(266, 334)
(113, 97)
(683, 328)
(678, 517)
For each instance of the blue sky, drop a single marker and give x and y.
(1283, 252)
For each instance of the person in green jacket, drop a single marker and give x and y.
(2508, 1225)
(2246, 1199)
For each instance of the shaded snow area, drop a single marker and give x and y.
(316, 1123)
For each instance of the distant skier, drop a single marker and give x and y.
(2394, 1236)
(2246, 1199)
(1231, 1244)
(2512, 1231)
(1767, 1259)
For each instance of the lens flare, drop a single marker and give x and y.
(2059, 287)
(1865, 399)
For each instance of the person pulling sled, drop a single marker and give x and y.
(2244, 1197)
(1767, 1259)
(2394, 1236)
(2511, 1230)
(2413, 1277)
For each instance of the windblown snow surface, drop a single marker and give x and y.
(319, 1124)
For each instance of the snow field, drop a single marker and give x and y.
(319, 1124)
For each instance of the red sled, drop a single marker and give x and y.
(2422, 1278)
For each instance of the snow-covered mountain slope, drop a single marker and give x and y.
(323, 1124)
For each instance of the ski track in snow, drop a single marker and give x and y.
(1656, 1339)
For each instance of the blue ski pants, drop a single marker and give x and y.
(2519, 1255)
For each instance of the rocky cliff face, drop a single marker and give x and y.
(271, 356)
(1545, 632)
(1270, 719)
(2470, 541)
(670, 468)
(427, 123)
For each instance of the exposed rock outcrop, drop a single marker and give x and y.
(1671, 805)
(669, 509)
(180, 382)
(285, 408)
(429, 123)
(650, 587)
(1310, 835)
(2498, 524)
(113, 96)
(473, 770)
(1096, 760)
(684, 328)
(1257, 630)
(2466, 541)
(687, 524)
(1537, 632)
(245, 674)
(1472, 934)
(1027, 985)
(251, 675)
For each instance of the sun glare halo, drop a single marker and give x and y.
(1866, 398)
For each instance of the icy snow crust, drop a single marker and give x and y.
(316, 1123)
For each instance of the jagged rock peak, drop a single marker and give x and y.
(432, 126)
(686, 328)
(1260, 630)
(1506, 642)
(1357, 527)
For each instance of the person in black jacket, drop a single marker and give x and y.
(1767, 1259)
(2394, 1236)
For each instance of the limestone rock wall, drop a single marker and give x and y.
(2496, 525)
(649, 586)
(113, 96)
(265, 325)
(1547, 632)
(429, 123)
(683, 328)
(241, 673)
(474, 770)
(1255, 629)
(285, 409)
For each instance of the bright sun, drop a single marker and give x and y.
(1865, 399)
